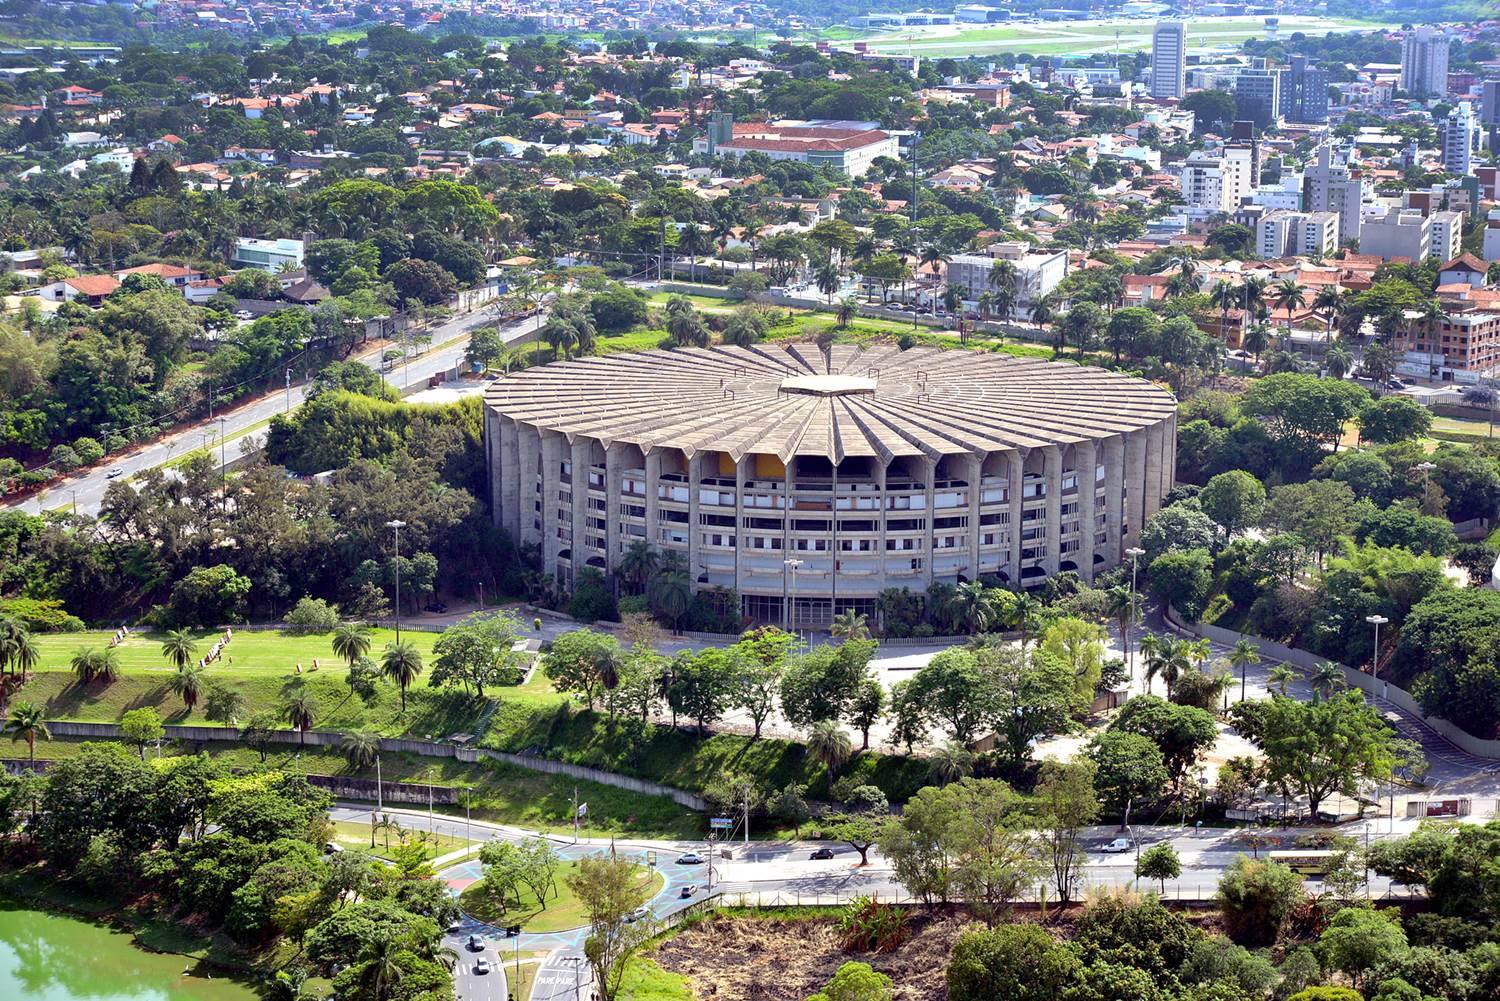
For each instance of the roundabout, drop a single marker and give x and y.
(560, 911)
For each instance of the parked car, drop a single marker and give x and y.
(438, 607)
(482, 967)
(822, 853)
(639, 914)
(1118, 846)
(244, 314)
(691, 858)
(688, 891)
(330, 848)
(476, 944)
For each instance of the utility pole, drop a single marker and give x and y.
(397, 526)
(661, 254)
(288, 390)
(379, 801)
(223, 470)
(747, 816)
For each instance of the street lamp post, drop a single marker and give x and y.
(1135, 553)
(791, 564)
(1377, 621)
(223, 471)
(396, 526)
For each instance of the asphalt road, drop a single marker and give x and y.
(87, 488)
(773, 873)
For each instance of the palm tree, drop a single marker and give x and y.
(972, 605)
(684, 325)
(95, 665)
(27, 722)
(187, 684)
(388, 824)
(1026, 616)
(1281, 675)
(380, 966)
(179, 647)
(693, 241)
(1327, 678)
(351, 641)
(1242, 656)
(1150, 647)
(1225, 296)
(951, 762)
(359, 749)
(1288, 295)
(1330, 304)
(1185, 281)
(670, 596)
(639, 563)
(845, 312)
(402, 663)
(24, 653)
(1256, 340)
(828, 279)
(1121, 608)
(828, 745)
(1041, 314)
(301, 711)
(1338, 361)
(850, 625)
(1252, 296)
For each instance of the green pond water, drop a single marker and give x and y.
(52, 957)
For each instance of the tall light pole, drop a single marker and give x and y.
(1377, 621)
(1135, 553)
(223, 471)
(791, 564)
(397, 526)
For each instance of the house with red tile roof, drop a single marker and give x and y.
(88, 289)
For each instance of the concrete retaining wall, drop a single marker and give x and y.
(1477, 746)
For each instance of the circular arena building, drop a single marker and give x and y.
(810, 482)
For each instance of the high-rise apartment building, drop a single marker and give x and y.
(1460, 139)
(1304, 92)
(1169, 59)
(1445, 241)
(1257, 95)
(1327, 186)
(1404, 233)
(1489, 112)
(1424, 62)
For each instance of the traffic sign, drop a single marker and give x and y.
(720, 822)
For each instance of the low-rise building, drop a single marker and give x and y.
(849, 150)
(267, 255)
(1036, 273)
(1462, 347)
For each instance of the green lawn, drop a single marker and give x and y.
(260, 652)
(646, 981)
(563, 909)
(352, 834)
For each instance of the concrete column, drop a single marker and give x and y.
(653, 498)
(1171, 465)
(509, 501)
(1114, 500)
(1135, 480)
(582, 455)
(552, 453)
(1052, 476)
(974, 472)
(1017, 488)
(695, 537)
(614, 493)
(1156, 438)
(530, 447)
(1086, 465)
(929, 480)
(739, 511)
(881, 469)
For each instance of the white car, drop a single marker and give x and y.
(482, 967)
(244, 314)
(117, 471)
(1118, 846)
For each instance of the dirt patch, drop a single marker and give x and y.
(759, 959)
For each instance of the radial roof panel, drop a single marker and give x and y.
(793, 399)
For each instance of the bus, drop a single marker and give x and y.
(1307, 861)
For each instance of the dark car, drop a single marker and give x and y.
(689, 890)
(822, 853)
(476, 944)
(438, 607)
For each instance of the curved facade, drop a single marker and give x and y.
(873, 467)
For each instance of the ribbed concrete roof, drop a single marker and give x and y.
(891, 402)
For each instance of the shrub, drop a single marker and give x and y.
(1255, 896)
(41, 615)
(748, 283)
(65, 458)
(866, 925)
(312, 615)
